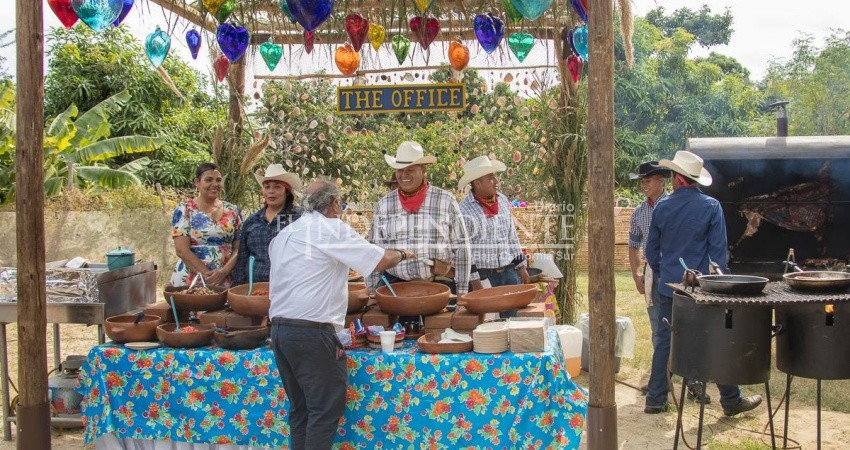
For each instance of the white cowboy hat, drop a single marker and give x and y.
(689, 165)
(479, 167)
(409, 153)
(276, 172)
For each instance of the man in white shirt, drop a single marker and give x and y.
(310, 260)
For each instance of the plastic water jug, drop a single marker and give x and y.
(571, 342)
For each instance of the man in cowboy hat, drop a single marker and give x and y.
(278, 188)
(422, 218)
(497, 258)
(688, 225)
(652, 179)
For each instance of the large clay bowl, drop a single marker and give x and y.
(202, 335)
(241, 338)
(415, 298)
(358, 295)
(501, 298)
(122, 330)
(429, 343)
(194, 302)
(250, 305)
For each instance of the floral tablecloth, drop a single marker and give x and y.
(403, 400)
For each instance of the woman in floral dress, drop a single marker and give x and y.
(206, 232)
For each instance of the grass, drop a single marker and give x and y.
(835, 395)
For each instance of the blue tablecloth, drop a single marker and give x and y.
(403, 400)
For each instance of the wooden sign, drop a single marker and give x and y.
(401, 98)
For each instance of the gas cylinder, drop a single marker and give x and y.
(63, 384)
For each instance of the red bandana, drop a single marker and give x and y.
(490, 207)
(412, 203)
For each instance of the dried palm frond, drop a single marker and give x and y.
(254, 155)
(218, 144)
(627, 27)
(169, 82)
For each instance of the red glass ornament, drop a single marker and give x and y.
(308, 41)
(425, 30)
(357, 28)
(64, 11)
(221, 65)
(575, 64)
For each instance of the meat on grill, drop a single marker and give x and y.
(801, 207)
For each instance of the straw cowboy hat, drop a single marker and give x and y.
(407, 154)
(479, 167)
(649, 168)
(276, 172)
(688, 165)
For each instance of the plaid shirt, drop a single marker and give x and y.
(493, 240)
(257, 233)
(435, 231)
(641, 220)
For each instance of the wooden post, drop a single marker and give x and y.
(235, 115)
(602, 410)
(33, 412)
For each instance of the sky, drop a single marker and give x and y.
(763, 30)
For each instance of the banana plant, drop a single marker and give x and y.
(78, 146)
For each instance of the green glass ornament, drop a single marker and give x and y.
(271, 54)
(520, 44)
(401, 47)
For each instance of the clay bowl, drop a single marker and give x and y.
(194, 302)
(202, 335)
(250, 305)
(501, 298)
(358, 295)
(415, 298)
(429, 343)
(353, 276)
(122, 330)
(241, 338)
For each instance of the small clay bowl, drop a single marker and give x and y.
(193, 302)
(202, 335)
(358, 295)
(122, 329)
(501, 298)
(534, 274)
(415, 298)
(429, 343)
(250, 305)
(241, 338)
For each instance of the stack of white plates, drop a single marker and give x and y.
(491, 337)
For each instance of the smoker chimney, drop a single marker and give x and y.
(781, 117)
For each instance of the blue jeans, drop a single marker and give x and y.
(730, 396)
(652, 311)
(506, 278)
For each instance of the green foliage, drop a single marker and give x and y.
(667, 98)
(76, 149)
(708, 29)
(84, 68)
(6, 40)
(817, 83)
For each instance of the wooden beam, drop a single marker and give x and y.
(33, 412)
(194, 16)
(602, 409)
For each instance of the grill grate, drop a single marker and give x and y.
(775, 293)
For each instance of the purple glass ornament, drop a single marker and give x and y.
(570, 35)
(310, 13)
(579, 9)
(128, 5)
(233, 40)
(489, 30)
(193, 40)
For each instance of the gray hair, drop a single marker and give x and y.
(320, 195)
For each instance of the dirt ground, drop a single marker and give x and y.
(636, 430)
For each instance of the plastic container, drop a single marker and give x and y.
(624, 342)
(571, 346)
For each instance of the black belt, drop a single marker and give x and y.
(485, 273)
(303, 324)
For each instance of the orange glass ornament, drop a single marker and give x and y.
(347, 59)
(458, 55)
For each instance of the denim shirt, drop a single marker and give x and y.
(687, 224)
(257, 233)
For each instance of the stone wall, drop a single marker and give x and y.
(91, 234)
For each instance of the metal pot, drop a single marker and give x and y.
(815, 342)
(818, 281)
(119, 258)
(732, 284)
(726, 344)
